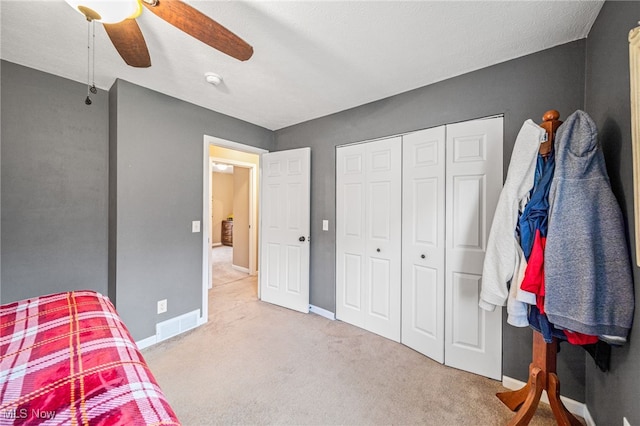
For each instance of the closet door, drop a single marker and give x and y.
(473, 336)
(368, 240)
(383, 236)
(423, 246)
(350, 234)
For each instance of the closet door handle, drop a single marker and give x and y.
(423, 256)
(378, 250)
(301, 239)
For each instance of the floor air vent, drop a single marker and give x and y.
(177, 325)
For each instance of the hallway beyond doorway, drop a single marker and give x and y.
(222, 269)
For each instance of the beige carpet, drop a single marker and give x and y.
(222, 271)
(255, 363)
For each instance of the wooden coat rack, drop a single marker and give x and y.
(542, 370)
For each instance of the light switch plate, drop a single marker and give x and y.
(195, 226)
(325, 225)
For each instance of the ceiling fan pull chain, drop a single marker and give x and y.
(87, 101)
(91, 54)
(93, 47)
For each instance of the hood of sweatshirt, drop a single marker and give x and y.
(577, 148)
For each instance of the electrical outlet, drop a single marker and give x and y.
(325, 225)
(162, 306)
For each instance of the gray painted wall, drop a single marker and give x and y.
(157, 159)
(519, 89)
(612, 395)
(54, 185)
(102, 197)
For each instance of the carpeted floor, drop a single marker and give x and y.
(222, 271)
(256, 363)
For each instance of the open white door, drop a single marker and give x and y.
(473, 336)
(285, 228)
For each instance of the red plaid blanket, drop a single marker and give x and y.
(68, 359)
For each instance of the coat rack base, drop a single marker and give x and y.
(542, 376)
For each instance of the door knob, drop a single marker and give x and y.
(423, 256)
(378, 250)
(301, 239)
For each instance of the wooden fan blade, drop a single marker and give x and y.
(129, 42)
(201, 27)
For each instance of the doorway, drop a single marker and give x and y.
(229, 221)
(240, 253)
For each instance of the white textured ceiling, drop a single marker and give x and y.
(312, 58)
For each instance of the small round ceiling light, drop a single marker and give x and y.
(213, 78)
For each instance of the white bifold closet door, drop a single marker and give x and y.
(430, 215)
(473, 336)
(452, 178)
(368, 227)
(423, 241)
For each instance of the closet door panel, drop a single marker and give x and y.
(423, 232)
(352, 278)
(383, 243)
(353, 251)
(425, 212)
(380, 212)
(352, 209)
(468, 325)
(350, 235)
(424, 288)
(379, 288)
(467, 198)
(473, 337)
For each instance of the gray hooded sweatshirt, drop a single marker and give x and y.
(588, 281)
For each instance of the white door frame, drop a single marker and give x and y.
(206, 231)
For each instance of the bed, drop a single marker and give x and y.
(68, 359)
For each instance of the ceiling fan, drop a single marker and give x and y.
(119, 20)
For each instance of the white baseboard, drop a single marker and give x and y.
(322, 312)
(575, 407)
(145, 343)
(240, 268)
(588, 418)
